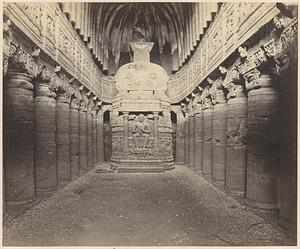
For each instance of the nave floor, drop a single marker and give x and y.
(176, 208)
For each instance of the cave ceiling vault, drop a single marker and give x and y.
(107, 28)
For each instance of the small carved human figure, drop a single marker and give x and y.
(140, 129)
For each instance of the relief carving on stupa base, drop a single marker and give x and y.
(141, 132)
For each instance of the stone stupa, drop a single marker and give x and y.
(141, 120)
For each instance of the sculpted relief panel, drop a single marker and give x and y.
(141, 137)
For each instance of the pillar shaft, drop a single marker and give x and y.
(191, 140)
(89, 143)
(199, 141)
(207, 142)
(236, 116)
(100, 145)
(262, 154)
(74, 137)
(82, 138)
(219, 142)
(186, 140)
(45, 142)
(94, 137)
(63, 138)
(18, 138)
(180, 130)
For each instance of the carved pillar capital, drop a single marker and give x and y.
(217, 92)
(233, 83)
(21, 61)
(254, 66)
(197, 103)
(90, 106)
(206, 99)
(83, 106)
(75, 103)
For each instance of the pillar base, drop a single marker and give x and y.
(263, 206)
(130, 166)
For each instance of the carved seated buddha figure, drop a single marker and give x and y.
(140, 132)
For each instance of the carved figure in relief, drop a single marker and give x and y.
(141, 132)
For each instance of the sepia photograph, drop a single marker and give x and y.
(149, 124)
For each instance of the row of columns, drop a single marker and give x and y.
(52, 133)
(231, 128)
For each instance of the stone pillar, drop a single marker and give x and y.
(180, 130)
(18, 137)
(191, 139)
(219, 132)
(198, 135)
(82, 137)
(207, 133)
(186, 139)
(89, 144)
(236, 122)
(44, 139)
(100, 144)
(74, 137)
(94, 128)
(262, 153)
(63, 137)
(287, 58)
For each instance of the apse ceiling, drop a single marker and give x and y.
(108, 27)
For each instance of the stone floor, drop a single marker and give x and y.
(177, 208)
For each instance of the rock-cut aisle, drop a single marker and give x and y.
(176, 208)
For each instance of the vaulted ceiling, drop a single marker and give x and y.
(107, 27)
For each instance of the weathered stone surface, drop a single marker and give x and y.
(107, 141)
(18, 138)
(74, 138)
(192, 141)
(180, 130)
(262, 160)
(100, 139)
(82, 137)
(236, 115)
(199, 141)
(94, 129)
(89, 144)
(186, 140)
(219, 142)
(63, 138)
(207, 142)
(44, 139)
(288, 153)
